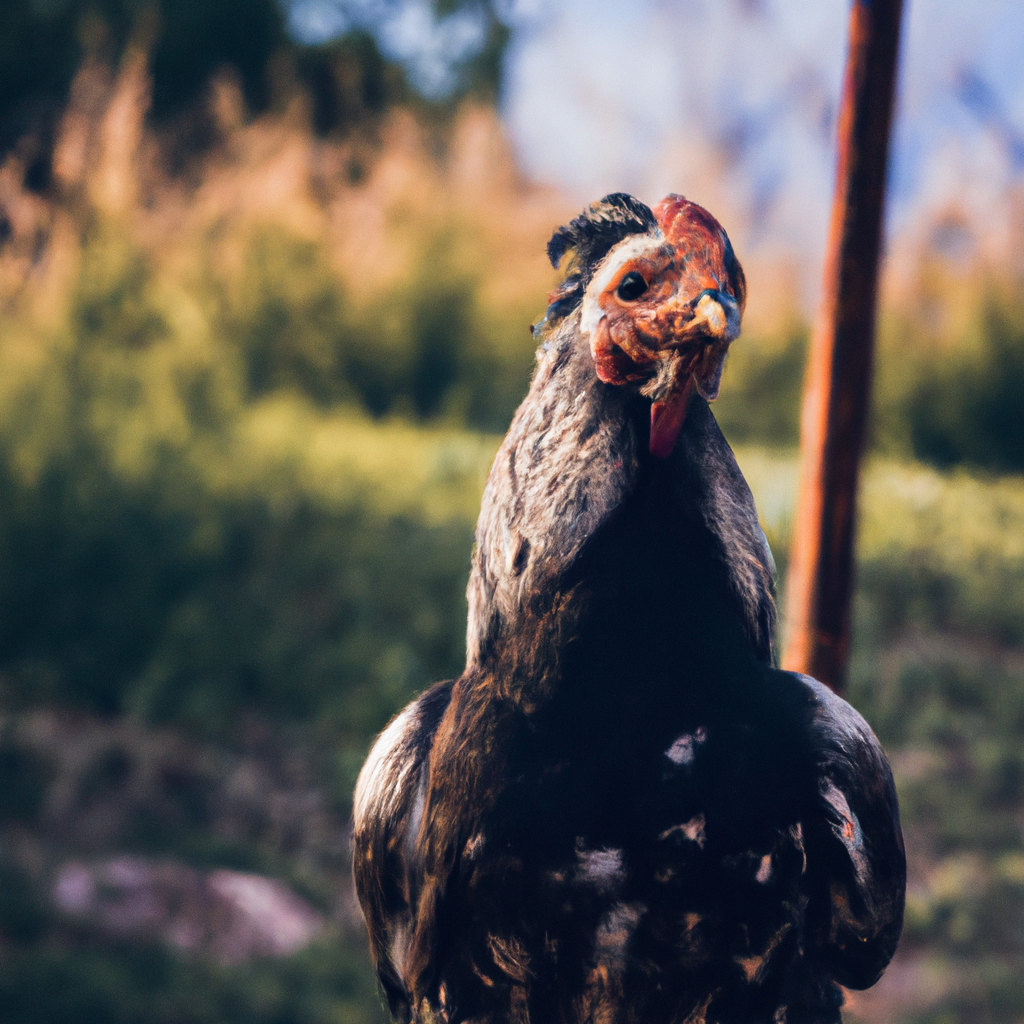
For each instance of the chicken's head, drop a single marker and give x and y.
(660, 305)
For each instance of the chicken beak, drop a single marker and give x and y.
(696, 363)
(717, 321)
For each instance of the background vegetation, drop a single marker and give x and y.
(260, 336)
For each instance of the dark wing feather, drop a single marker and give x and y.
(855, 849)
(388, 807)
(709, 479)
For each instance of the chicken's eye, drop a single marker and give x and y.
(631, 287)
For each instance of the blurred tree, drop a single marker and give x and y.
(43, 42)
(196, 39)
(349, 81)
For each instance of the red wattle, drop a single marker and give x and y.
(667, 420)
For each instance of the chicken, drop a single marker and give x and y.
(621, 811)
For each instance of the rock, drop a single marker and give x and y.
(231, 915)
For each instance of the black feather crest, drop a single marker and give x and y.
(588, 238)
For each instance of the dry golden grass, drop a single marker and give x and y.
(371, 209)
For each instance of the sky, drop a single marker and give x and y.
(732, 102)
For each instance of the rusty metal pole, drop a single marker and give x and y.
(838, 385)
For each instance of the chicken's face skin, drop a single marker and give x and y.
(662, 310)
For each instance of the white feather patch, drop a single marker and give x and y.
(384, 775)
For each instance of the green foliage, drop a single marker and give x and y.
(943, 553)
(193, 613)
(951, 712)
(760, 400)
(423, 348)
(947, 397)
(967, 408)
(127, 983)
(950, 376)
(171, 547)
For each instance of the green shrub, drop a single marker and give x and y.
(760, 400)
(130, 983)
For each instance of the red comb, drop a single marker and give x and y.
(678, 217)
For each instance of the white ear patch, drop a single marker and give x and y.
(591, 314)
